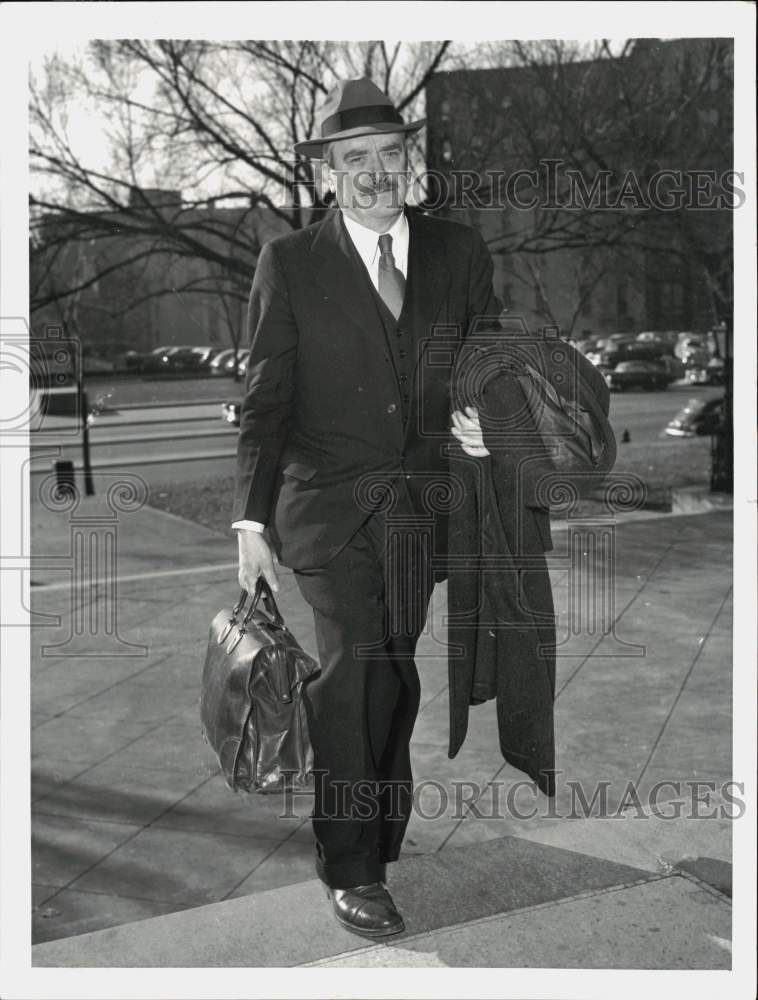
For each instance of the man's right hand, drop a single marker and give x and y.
(255, 558)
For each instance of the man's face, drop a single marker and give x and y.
(369, 176)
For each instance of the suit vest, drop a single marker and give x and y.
(400, 339)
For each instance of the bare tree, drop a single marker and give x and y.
(215, 121)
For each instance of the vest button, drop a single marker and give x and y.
(391, 408)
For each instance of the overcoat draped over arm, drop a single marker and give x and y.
(501, 618)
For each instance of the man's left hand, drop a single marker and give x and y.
(467, 430)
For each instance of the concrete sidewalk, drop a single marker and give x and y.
(131, 819)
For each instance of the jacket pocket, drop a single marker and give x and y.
(299, 471)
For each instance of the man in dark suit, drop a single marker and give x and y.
(354, 324)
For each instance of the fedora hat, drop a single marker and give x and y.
(353, 108)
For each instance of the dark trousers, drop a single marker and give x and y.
(369, 604)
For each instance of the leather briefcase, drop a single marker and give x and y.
(251, 704)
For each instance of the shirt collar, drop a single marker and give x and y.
(366, 240)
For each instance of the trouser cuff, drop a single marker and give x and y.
(347, 874)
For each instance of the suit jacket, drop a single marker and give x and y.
(321, 417)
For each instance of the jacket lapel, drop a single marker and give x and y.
(339, 274)
(428, 279)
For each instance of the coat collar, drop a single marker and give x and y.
(336, 271)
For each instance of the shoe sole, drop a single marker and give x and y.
(381, 932)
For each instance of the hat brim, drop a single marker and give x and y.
(315, 147)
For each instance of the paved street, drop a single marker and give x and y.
(137, 429)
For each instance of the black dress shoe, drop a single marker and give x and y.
(367, 910)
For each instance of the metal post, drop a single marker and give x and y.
(722, 443)
(89, 484)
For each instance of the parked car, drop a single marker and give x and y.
(710, 373)
(146, 362)
(698, 417)
(230, 413)
(632, 350)
(217, 365)
(189, 359)
(673, 366)
(587, 344)
(225, 363)
(209, 355)
(670, 337)
(242, 363)
(170, 360)
(610, 350)
(691, 343)
(637, 375)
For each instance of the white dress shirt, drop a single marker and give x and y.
(366, 242)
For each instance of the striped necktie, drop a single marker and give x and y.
(391, 280)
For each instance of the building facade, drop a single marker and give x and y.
(161, 273)
(571, 169)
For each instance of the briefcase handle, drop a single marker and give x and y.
(262, 590)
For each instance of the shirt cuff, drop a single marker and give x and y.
(249, 525)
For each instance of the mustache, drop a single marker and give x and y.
(369, 186)
(373, 180)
